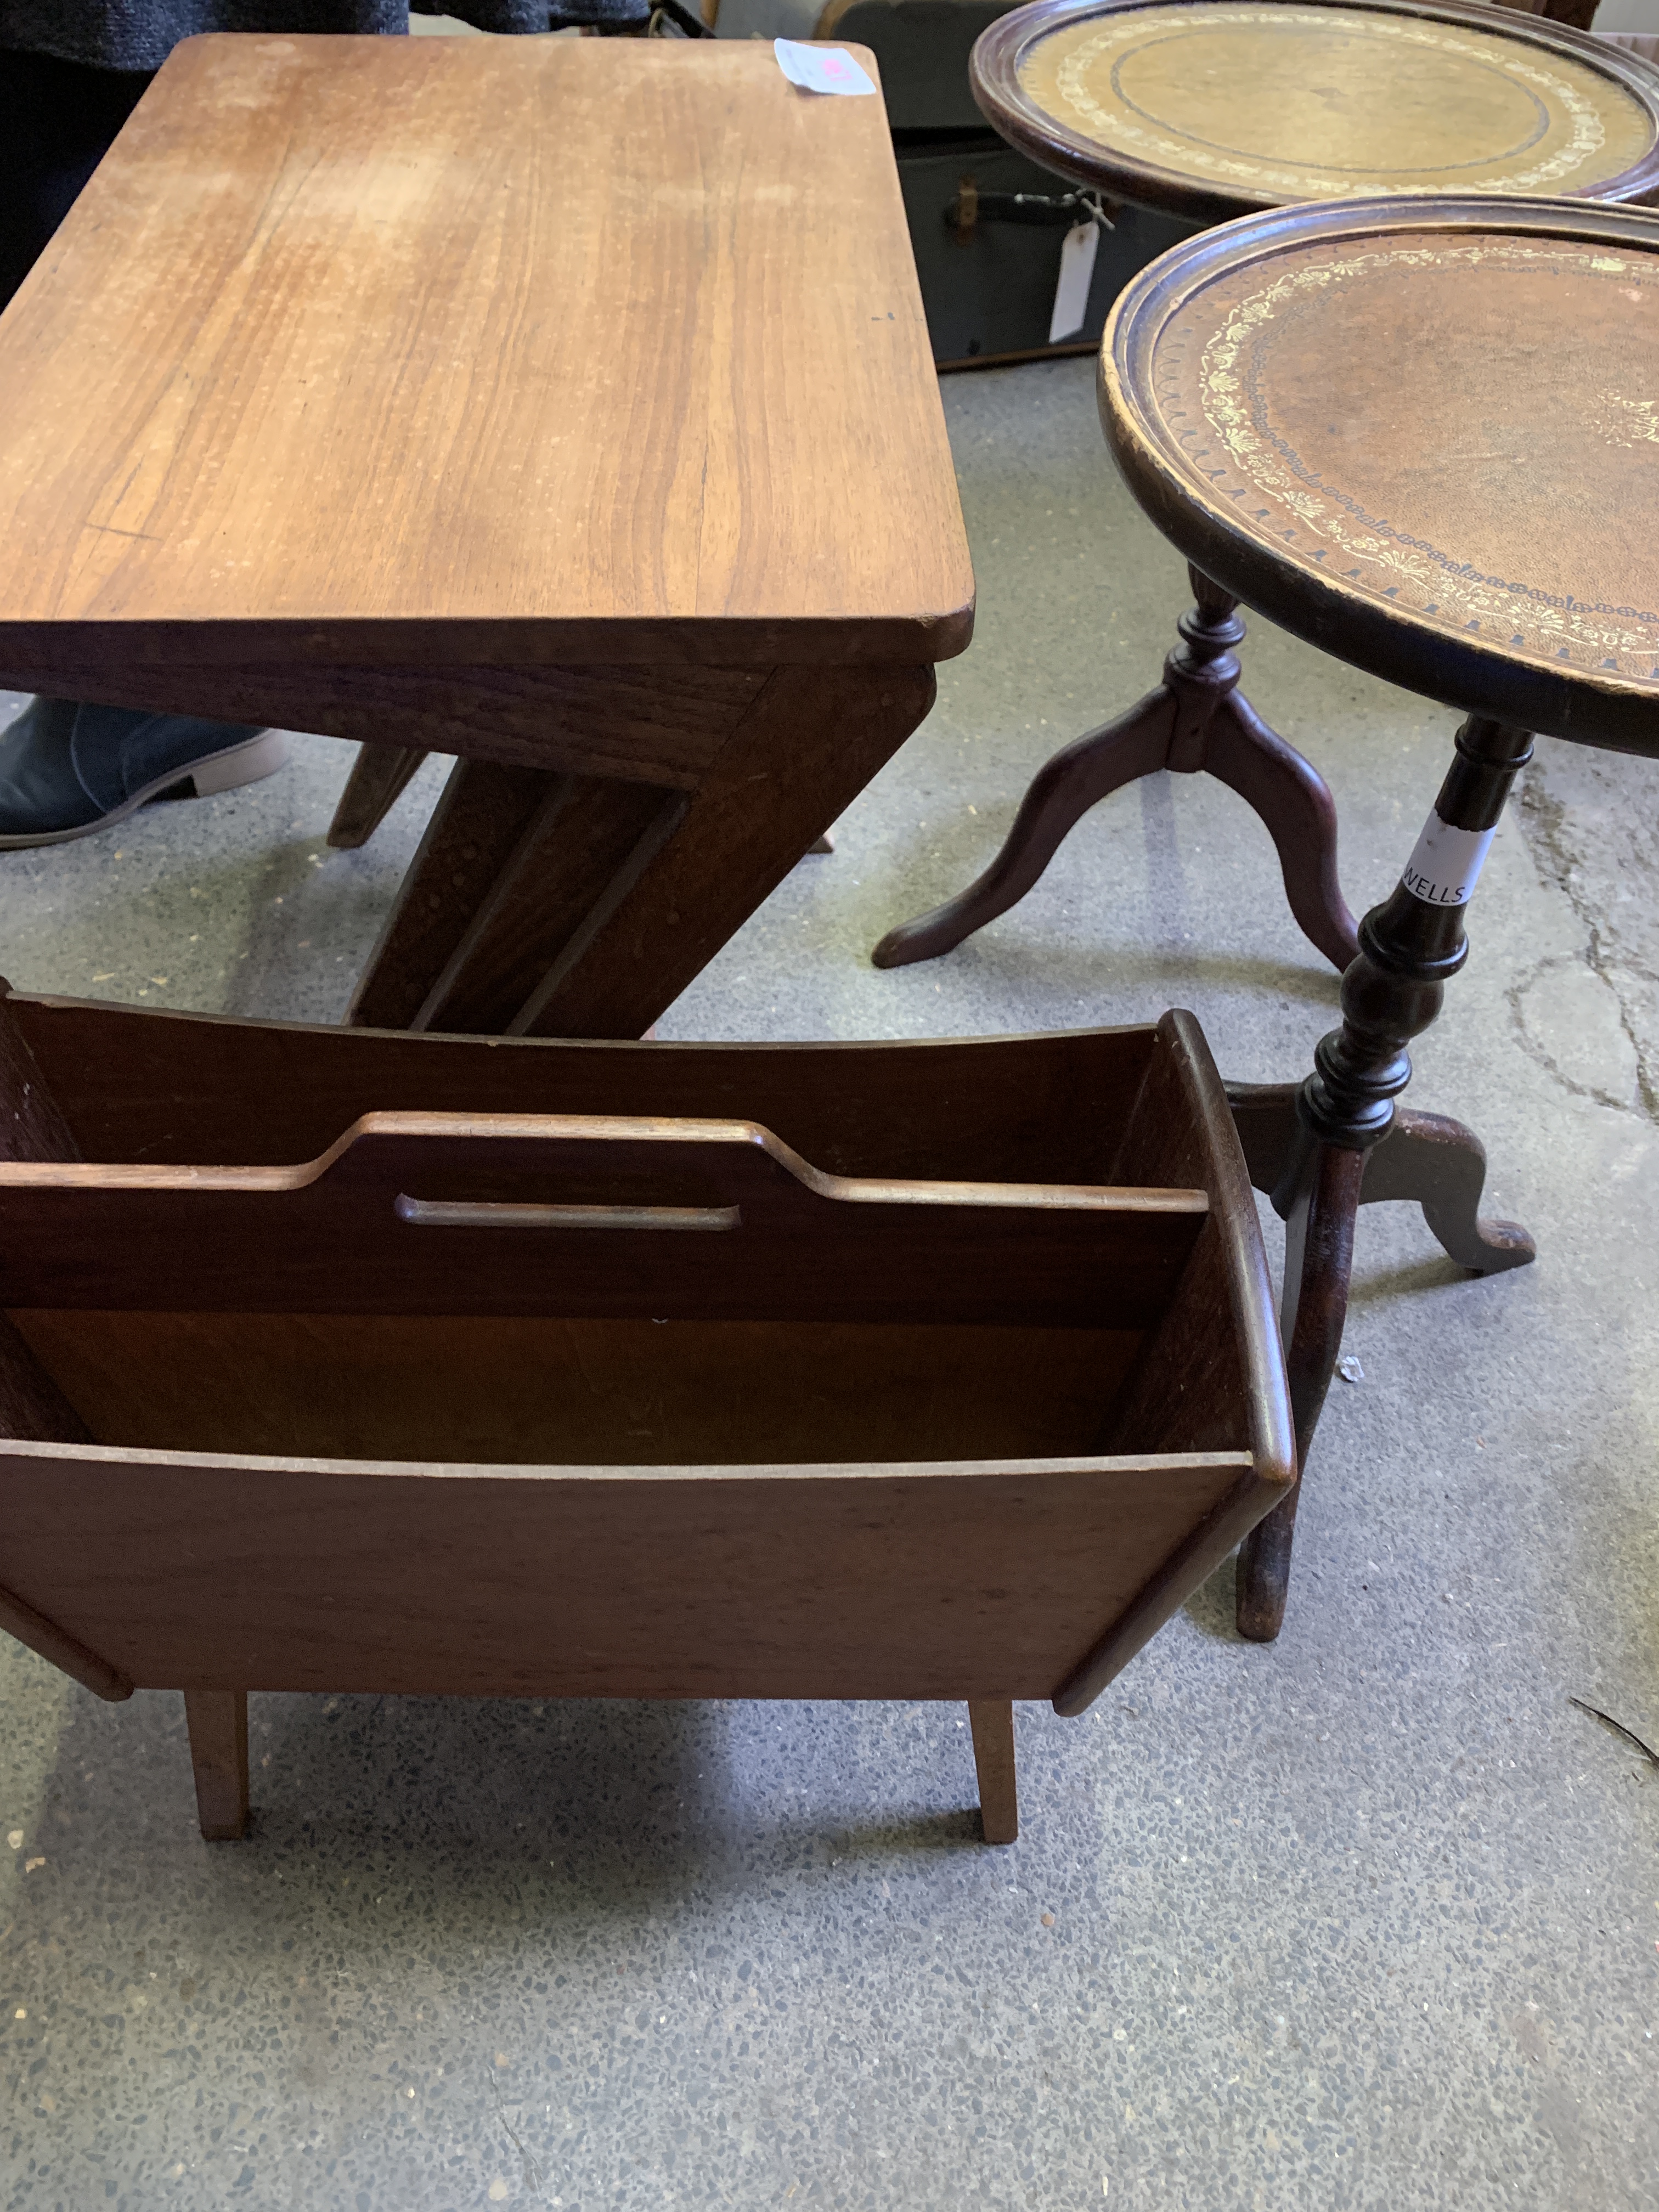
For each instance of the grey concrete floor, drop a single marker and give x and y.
(1367, 1918)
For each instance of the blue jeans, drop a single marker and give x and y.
(57, 120)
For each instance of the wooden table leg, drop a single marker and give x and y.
(513, 863)
(1427, 1158)
(809, 744)
(578, 906)
(564, 905)
(1409, 948)
(1195, 720)
(379, 776)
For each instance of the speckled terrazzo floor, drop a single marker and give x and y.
(1366, 1919)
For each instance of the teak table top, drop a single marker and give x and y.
(565, 405)
(500, 350)
(1424, 434)
(1213, 107)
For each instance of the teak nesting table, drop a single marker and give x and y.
(1210, 109)
(528, 400)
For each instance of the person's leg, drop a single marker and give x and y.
(66, 769)
(57, 120)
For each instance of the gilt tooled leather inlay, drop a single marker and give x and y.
(1288, 103)
(1464, 428)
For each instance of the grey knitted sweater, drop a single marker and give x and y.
(140, 35)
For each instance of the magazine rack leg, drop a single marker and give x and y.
(993, 1723)
(217, 1720)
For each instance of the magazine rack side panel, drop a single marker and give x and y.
(137, 1084)
(978, 1583)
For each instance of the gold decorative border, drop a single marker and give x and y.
(1461, 599)
(1114, 127)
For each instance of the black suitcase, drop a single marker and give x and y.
(988, 225)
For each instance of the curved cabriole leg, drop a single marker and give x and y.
(1194, 721)
(1427, 1159)
(1409, 949)
(1443, 1165)
(1064, 790)
(1294, 801)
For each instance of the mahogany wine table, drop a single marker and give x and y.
(1215, 109)
(1424, 435)
(566, 406)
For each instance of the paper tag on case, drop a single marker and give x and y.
(1446, 865)
(820, 68)
(1076, 269)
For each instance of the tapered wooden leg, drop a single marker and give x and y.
(217, 1720)
(993, 1723)
(1076, 778)
(1427, 1158)
(379, 776)
(1294, 800)
(1318, 1266)
(808, 743)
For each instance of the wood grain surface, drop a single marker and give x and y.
(1212, 107)
(479, 352)
(435, 1213)
(514, 1390)
(129, 1084)
(886, 1481)
(1476, 518)
(1215, 1350)
(950, 1582)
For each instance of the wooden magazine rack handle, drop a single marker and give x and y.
(488, 1213)
(353, 1231)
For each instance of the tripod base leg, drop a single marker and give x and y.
(1075, 780)
(1294, 801)
(1425, 1158)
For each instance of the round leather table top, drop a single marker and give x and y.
(1214, 107)
(1424, 434)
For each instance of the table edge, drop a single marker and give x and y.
(415, 646)
(993, 69)
(1588, 707)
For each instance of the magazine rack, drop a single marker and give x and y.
(340, 1361)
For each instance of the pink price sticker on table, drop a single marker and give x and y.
(820, 68)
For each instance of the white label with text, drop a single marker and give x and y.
(820, 68)
(1446, 866)
(1077, 270)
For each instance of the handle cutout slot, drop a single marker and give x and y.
(467, 1214)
